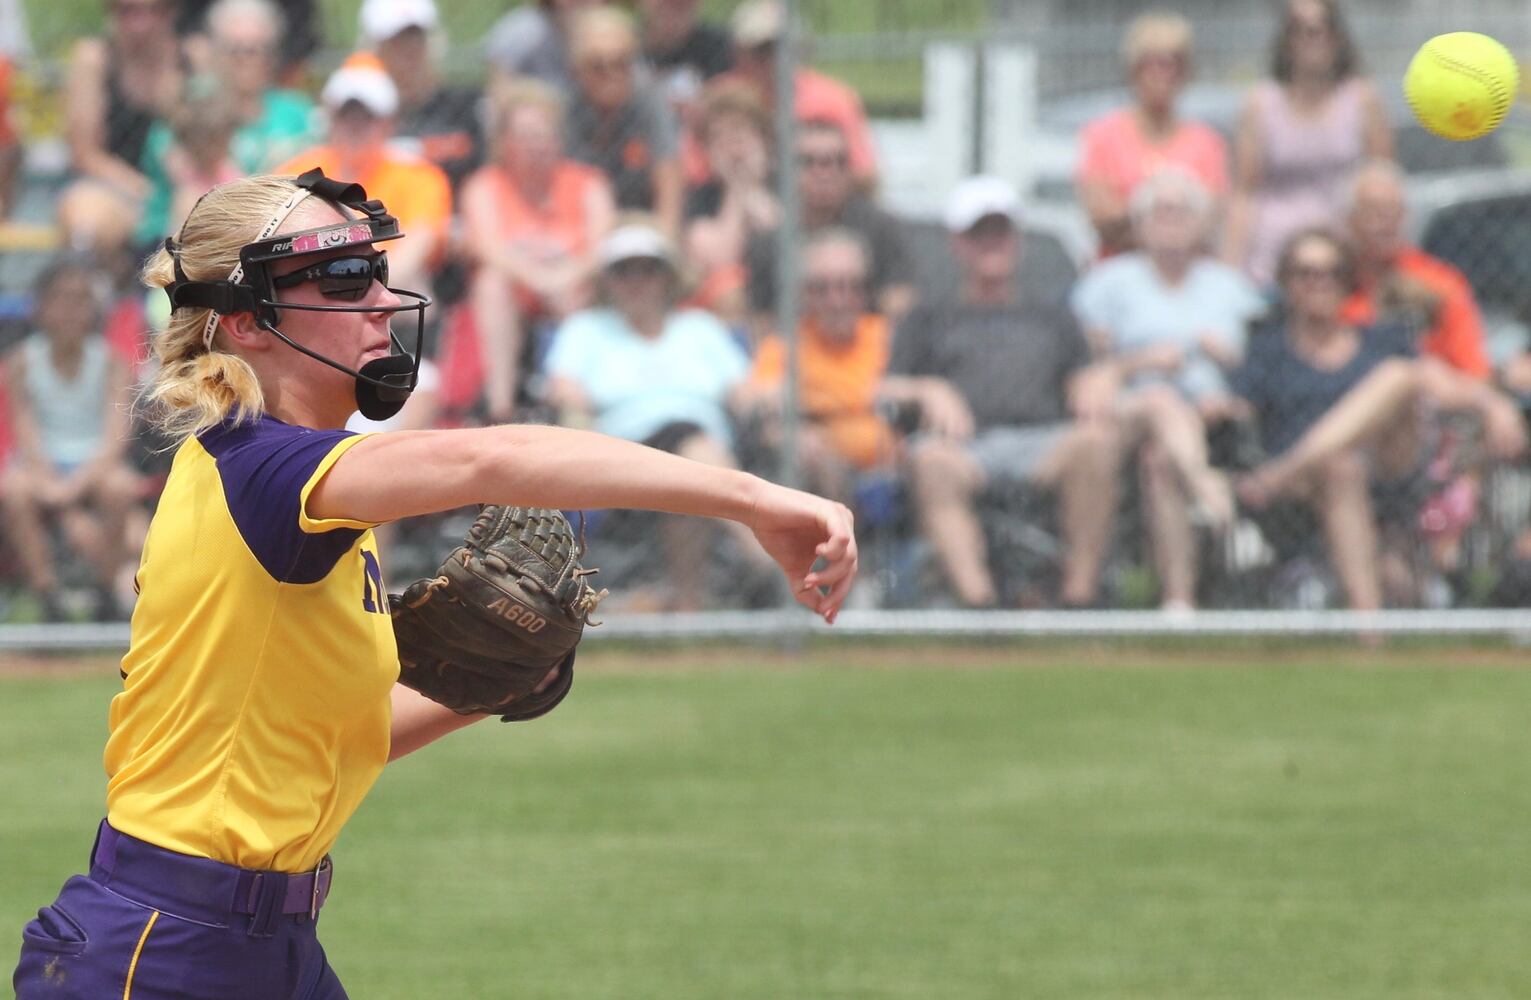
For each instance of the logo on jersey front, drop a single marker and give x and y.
(374, 598)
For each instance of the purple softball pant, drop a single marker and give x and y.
(151, 924)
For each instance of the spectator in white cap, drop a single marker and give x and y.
(758, 26)
(1005, 395)
(440, 123)
(361, 101)
(641, 367)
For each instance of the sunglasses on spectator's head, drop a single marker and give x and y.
(345, 278)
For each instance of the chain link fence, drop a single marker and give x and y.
(1208, 508)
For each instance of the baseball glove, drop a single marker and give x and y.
(506, 609)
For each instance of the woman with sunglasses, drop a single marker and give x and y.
(259, 698)
(1301, 136)
(1347, 416)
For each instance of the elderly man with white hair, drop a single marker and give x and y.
(1167, 320)
(1398, 282)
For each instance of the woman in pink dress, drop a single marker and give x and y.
(1126, 147)
(1301, 136)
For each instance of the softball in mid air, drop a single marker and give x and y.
(1461, 84)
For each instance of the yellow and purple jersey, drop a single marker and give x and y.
(255, 710)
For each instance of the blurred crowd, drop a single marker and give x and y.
(1256, 392)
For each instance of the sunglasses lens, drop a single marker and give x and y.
(349, 278)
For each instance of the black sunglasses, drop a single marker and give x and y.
(344, 278)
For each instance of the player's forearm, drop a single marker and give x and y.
(389, 476)
(559, 467)
(418, 721)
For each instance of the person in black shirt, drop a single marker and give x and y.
(1344, 412)
(618, 123)
(442, 124)
(683, 51)
(830, 196)
(737, 202)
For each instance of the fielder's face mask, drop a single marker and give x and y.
(383, 384)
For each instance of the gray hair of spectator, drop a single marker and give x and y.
(1169, 183)
(1374, 168)
(837, 236)
(224, 11)
(506, 96)
(195, 388)
(1347, 60)
(1287, 259)
(1156, 31)
(596, 23)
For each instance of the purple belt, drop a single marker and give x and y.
(204, 889)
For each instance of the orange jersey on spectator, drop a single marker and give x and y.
(838, 385)
(1457, 335)
(817, 98)
(556, 229)
(416, 191)
(1115, 151)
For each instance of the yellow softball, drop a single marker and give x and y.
(1461, 84)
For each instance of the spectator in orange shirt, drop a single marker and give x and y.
(362, 100)
(842, 355)
(534, 220)
(757, 27)
(1400, 283)
(1126, 147)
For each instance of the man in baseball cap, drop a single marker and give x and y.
(437, 122)
(979, 198)
(1005, 394)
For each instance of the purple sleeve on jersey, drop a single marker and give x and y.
(264, 467)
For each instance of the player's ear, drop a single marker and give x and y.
(240, 330)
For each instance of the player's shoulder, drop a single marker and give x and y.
(262, 434)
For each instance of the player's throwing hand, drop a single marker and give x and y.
(800, 530)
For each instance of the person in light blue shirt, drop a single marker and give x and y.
(1170, 321)
(637, 367)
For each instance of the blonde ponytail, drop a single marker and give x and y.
(196, 387)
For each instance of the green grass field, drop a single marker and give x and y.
(895, 822)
